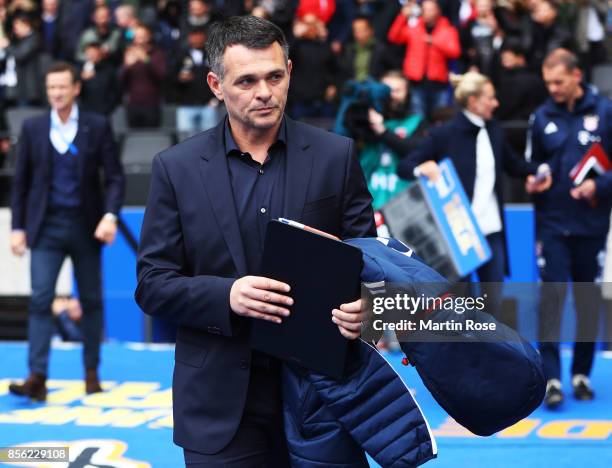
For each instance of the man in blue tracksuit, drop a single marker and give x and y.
(571, 221)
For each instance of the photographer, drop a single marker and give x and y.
(431, 44)
(142, 74)
(99, 81)
(385, 129)
(312, 94)
(198, 108)
(398, 109)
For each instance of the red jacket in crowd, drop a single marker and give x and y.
(322, 9)
(421, 57)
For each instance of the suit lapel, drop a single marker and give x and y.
(80, 141)
(298, 171)
(216, 181)
(45, 145)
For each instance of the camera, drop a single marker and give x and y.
(356, 98)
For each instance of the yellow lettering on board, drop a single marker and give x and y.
(84, 416)
(138, 418)
(588, 429)
(521, 429)
(4, 383)
(165, 422)
(160, 399)
(63, 392)
(125, 395)
(31, 416)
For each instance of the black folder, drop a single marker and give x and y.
(323, 273)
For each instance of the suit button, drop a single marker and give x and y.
(244, 364)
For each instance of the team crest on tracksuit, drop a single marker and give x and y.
(591, 122)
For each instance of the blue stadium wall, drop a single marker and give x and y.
(125, 321)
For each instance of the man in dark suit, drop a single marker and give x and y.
(210, 200)
(59, 209)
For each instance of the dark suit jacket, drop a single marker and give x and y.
(96, 150)
(191, 253)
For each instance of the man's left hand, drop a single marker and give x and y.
(106, 231)
(585, 190)
(349, 318)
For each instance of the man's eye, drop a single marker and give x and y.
(245, 82)
(277, 77)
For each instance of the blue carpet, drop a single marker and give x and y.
(130, 424)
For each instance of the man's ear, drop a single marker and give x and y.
(289, 66)
(577, 72)
(215, 85)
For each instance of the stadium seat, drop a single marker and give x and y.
(602, 78)
(168, 117)
(119, 121)
(16, 116)
(139, 148)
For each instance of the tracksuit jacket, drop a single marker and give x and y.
(561, 138)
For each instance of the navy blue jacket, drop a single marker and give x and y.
(331, 423)
(485, 384)
(561, 138)
(97, 151)
(191, 252)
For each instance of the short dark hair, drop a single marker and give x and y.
(514, 45)
(24, 18)
(249, 31)
(60, 67)
(363, 17)
(561, 57)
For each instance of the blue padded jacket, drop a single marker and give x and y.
(486, 382)
(484, 385)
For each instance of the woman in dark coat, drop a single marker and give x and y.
(475, 143)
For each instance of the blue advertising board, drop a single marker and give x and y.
(452, 213)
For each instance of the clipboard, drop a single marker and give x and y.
(323, 273)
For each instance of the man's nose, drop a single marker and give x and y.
(263, 91)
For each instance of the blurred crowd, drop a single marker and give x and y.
(142, 53)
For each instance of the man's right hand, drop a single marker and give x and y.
(255, 297)
(18, 242)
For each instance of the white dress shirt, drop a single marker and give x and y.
(484, 202)
(63, 134)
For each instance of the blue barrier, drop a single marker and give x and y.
(126, 322)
